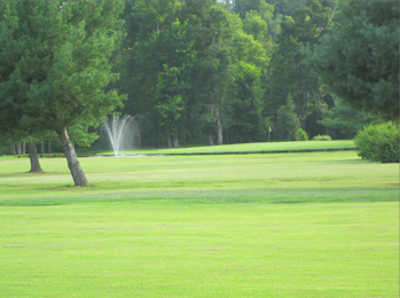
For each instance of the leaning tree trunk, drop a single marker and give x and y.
(34, 158)
(73, 163)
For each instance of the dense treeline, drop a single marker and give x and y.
(213, 72)
(194, 72)
(201, 72)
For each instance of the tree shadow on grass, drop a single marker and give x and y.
(28, 174)
(213, 197)
(13, 175)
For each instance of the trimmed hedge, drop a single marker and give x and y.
(379, 142)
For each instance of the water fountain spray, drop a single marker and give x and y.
(117, 128)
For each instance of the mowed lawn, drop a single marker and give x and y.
(272, 225)
(251, 147)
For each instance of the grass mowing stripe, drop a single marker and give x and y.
(288, 225)
(251, 147)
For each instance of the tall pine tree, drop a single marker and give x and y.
(56, 66)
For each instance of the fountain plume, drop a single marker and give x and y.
(118, 128)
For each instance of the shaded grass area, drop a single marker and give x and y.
(256, 178)
(287, 225)
(221, 196)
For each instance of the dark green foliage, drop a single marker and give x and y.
(60, 61)
(195, 71)
(55, 59)
(160, 57)
(244, 98)
(290, 70)
(287, 122)
(286, 7)
(359, 58)
(245, 104)
(379, 142)
(342, 121)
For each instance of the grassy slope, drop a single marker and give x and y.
(249, 147)
(303, 225)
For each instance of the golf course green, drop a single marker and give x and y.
(323, 224)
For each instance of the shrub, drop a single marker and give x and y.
(322, 138)
(379, 142)
(301, 135)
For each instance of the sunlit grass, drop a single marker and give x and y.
(262, 225)
(250, 147)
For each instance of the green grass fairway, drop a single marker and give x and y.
(253, 147)
(272, 225)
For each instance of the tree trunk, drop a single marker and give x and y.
(220, 136)
(73, 163)
(19, 148)
(34, 158)
(176, 141)
(48, 146)
(13, 151)
(210, 139)
(169, 140)
(24, 147)
(42, 147)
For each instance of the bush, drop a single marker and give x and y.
(322, 138)
(301, 135)
(379, 142)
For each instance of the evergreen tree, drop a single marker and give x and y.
(290, 70)
(342, 121)
(287, 122)
(55, 58)
(359, 58)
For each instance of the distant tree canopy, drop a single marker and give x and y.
(196, 72)
(191, 68)
(359, 58)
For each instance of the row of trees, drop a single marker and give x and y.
(201, 72)
(198, 72)
(194, 71)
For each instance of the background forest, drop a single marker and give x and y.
(214, 72)
(205, 73)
